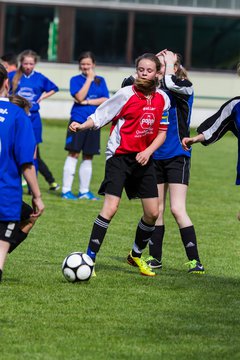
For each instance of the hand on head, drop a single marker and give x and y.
(168, 56)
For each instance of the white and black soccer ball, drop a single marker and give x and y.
(77, 266)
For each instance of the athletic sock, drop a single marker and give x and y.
(69, 170)
(85, 175)
(0, 275)
(189, 240)
(99, 230)
(143, 235)
(156, 242)
(19, 238)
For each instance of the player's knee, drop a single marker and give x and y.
(177, 211)
(152, 216)
(73, 155)
(109, 211)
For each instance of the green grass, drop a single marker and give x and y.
(120, 314)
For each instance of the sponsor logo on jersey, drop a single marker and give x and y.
(27, 93)
(149, 108)
(147, 120)
(2, 119)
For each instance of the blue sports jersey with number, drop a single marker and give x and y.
(32, 87)
(79, 112)
(17, 144)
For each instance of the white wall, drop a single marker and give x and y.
(211, 89)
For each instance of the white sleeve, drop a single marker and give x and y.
(181, 86)
(111, 107)
(166, 99)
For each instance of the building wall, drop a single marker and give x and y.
(118, 31)
(211, 89)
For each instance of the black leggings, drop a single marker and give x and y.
(43, 169)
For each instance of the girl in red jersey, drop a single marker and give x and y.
(139, 116)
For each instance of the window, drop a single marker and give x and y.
(27, 28)
(215, 43)
(102, 32)
(157, 32)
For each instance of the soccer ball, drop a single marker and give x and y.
(77, 266)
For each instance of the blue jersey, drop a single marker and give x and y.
(181, 96)
(32, 87)
(17, 146)
(79, 112)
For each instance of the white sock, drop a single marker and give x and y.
(69, 170)
(85, 175)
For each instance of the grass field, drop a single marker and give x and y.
(120, 314)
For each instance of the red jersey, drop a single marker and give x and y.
(136, 119)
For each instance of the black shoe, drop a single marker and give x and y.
(153, 262)
(195, 267)
(54, 186)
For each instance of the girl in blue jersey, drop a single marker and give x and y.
(172, 162)
(17, 145)
(34, 87)
(89, 91)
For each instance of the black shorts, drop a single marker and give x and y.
(8, 230)
(123, 171)
(173, 171)
(26, 211)
(87, 141)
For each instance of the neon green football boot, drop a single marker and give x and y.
(141, 264)
(195, 267)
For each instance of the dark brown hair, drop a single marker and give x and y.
(10, 59)
(3, 74)
(144, 85)
(21, 102)
(149, 56)
(89, 55)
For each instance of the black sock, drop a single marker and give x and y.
(143, 235)
(189, 240)
(18, 239)
(99, 230)
(0, 275)
(155, 244)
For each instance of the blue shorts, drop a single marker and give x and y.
(87, 141)
(37, 126)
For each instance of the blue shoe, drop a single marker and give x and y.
(195, 267)
(68, 196)
(88, 196)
